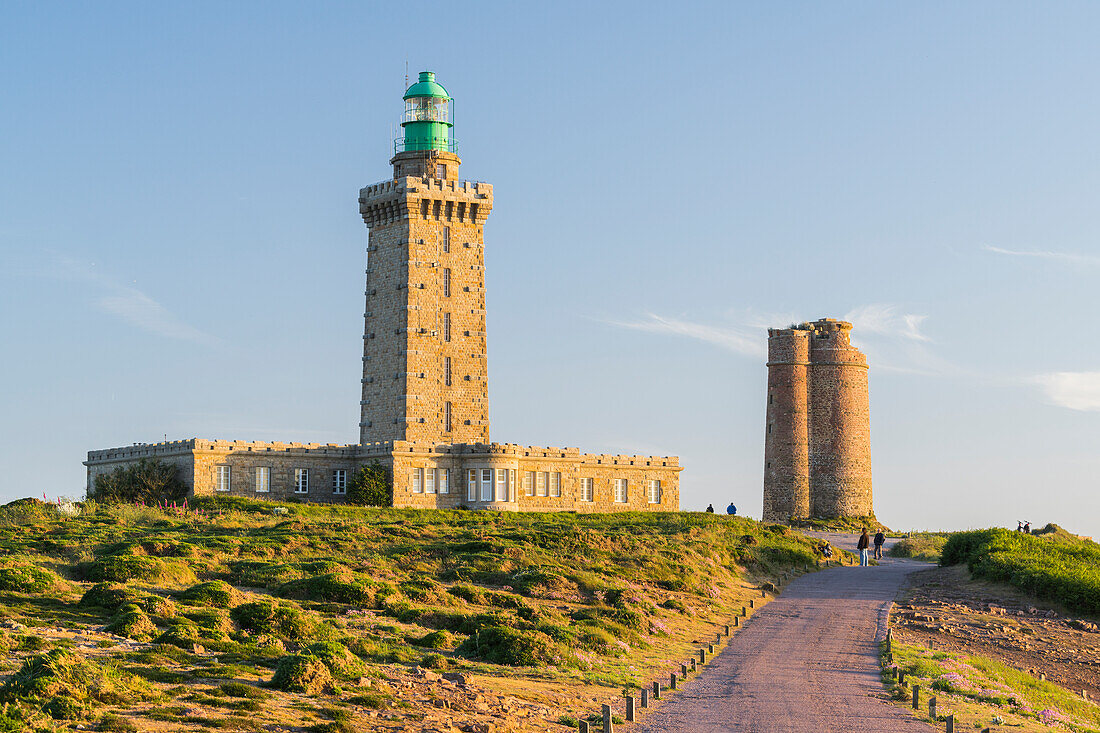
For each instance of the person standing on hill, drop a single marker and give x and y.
(880, 540)
(862, 545)
(731, 510)
(710, 509)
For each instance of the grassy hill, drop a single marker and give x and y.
(245, 615)
(1051, 564)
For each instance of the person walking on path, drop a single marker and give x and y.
(880, 540)
(862, 545)
(731, 510)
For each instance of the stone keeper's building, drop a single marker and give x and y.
(425, 389)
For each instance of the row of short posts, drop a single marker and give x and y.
(674, 679)
(915, 689)
(632, 703)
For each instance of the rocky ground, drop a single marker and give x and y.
(945, 609)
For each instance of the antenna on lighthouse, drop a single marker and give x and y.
(406, 73)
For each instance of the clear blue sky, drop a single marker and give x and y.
(181, 252)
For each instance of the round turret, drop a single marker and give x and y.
(429, 117)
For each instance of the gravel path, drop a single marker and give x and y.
(805, 663)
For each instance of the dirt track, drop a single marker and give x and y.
(805, 663)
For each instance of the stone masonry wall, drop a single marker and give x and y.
(817, 447)
(424, 345)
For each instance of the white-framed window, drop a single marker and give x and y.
(486, 484)
(447, 370)
(417, 480)
(340, 481)
(263, 479)
(555, 483)
(446, 237)
(429, 480)
(447, 282)
(447, 327)
(447, 425)
(443, 477)
(440, 170)
(528, 483)
(471, 485)
(540, 483)
(502, 484)
(587, 492)
(620, 490)
(223, 478)
(301, 481)
(654, 491)
(511, 484)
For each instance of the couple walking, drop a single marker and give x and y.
(864, 545)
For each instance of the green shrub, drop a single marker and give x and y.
(674, 605)
(433, 661)
(108, 595)
(26, 578)
(335, 587)
(1059, 569)
(184, 634)
(516, 648)
(266, 617)
(215, 593)
(158, 606)
(433, 640)
(149, 481)
(213, 623)
(302, 673)
(123, 568)
(256, 574)
(117, 724)
(370, 486)
(468, 593)
(539, 582)
(921, 546)
(340, 661)
(63, 672)
(133, 624)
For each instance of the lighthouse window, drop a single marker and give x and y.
(447, 282)
(446, 236)
(441, 171)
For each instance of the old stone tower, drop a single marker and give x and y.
(817, 448)
(424, 402)
(424, 361)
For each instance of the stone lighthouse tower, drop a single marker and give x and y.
(817, 448)
(424, 360)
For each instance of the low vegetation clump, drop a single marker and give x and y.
(1061, 568)
(276, 619)
(302, 673)
(23, 577)
(513, 647)
(64, 683)
(982, 692)
(216, 593)
(925, 546)
(132, 623)
(147, 481)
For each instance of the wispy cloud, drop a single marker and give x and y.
(883, 319)
(1075, 390)
(739, 340)
(126, 302)
(1067, 257)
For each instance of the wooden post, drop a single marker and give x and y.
(683, 671)
(735, 622)
(607, 724)
(582, 726)
(630, 708)
(932, 707)
(645, 697)
(744, 611)
(951, 724)
(752, 603)
(693, 667)
(656, 690)
(728, 628)
(702, 656)
(916, 697)
(901, 677)
(710, 648)
(672, 680)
